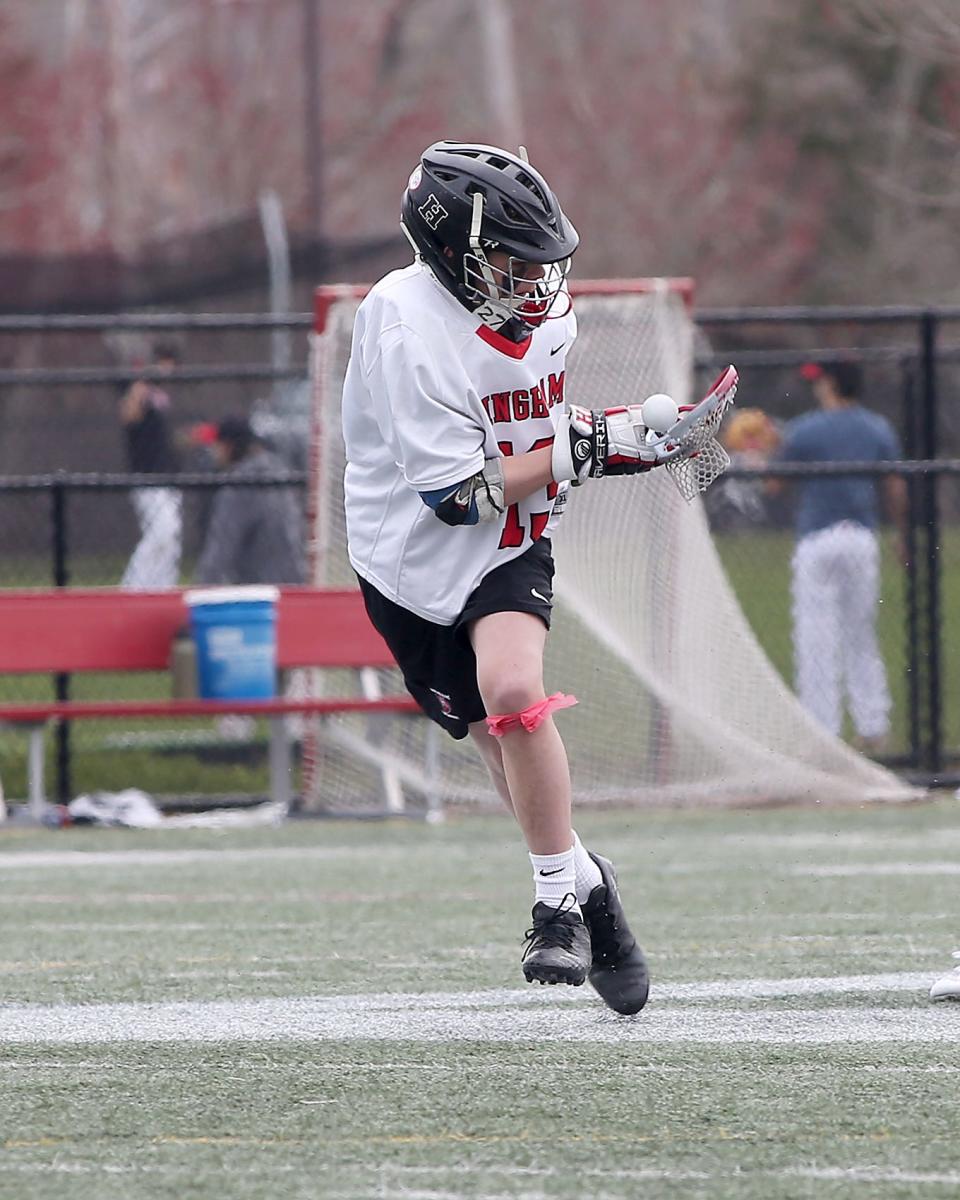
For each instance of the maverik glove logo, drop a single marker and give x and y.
(432, 211)
(581, 449)
(599, 447)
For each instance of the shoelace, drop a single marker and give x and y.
(553, 930)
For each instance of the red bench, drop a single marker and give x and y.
(80, 630)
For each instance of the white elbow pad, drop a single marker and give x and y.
(479, 498)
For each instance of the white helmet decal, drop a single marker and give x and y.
(432, 211)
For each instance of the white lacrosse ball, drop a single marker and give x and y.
(659, 412)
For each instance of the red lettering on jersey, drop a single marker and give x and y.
(513, 531)
(500, 402)
(538, 523)
(524, 404)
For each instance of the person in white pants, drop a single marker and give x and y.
(144, 417)
(836, 563)
(836, 567)
(155, 563)
(836, 588)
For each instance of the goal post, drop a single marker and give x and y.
(677, 701)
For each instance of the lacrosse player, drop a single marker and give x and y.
(461, 447)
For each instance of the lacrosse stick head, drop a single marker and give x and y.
(690, 450)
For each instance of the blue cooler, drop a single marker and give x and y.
(235, 631)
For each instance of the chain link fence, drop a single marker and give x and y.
(74, 530)
(919, 584)
(70, 530)
(69, 517)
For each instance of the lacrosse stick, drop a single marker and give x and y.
(689, 449)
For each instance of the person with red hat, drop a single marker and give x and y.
(255, 534)
(836, 562)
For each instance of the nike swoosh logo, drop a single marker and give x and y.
(534, 592)
(557, 349)
(556, 872)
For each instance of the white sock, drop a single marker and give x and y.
(587, 872)
(555, 877)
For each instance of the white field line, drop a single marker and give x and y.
(817, 985)
(170, 927)
(312, 1069)
(159, 856)
(65, 859)
(841, 840)
(876, 1175)
(879, 868)
(502, 1016)
(866, 1174)
(434, 1194)
(177, 927)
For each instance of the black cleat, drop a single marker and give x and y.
(557, 948)
(618, 972)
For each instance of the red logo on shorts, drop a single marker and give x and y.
(445, 706)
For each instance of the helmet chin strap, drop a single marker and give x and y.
(476, 218)
(409, 236)
(492, 311)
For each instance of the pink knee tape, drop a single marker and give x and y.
(530, 718)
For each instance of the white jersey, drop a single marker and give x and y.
(430, 394)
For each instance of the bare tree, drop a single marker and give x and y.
(870, 91)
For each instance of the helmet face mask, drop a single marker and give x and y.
(491, 230)
(508, 287)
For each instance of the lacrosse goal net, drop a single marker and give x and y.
(677, 701)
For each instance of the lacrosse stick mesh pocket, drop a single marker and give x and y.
(703, 457)
(693, 475)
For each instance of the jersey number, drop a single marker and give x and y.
(513, 530)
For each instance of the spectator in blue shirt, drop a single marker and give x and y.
(836, 562)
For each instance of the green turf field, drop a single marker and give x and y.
(336, 1010)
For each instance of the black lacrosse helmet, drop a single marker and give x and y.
(516, 213)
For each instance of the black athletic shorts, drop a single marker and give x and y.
(437, 661)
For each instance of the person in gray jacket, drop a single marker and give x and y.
(254, 534)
